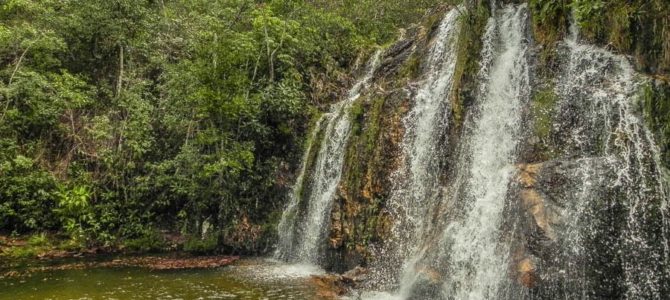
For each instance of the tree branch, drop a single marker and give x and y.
(18, 63)
(119, 80)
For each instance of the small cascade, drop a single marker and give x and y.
(287, 224)
(416, 185)
(619, 211)
(301, 237)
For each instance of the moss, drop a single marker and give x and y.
(361, 160)
(473, 22)
(372, 133)
(655, 100)
(411, 68)
(543, 104)
(364, 133)
(356, 114)
(637, 27)
(550, 19)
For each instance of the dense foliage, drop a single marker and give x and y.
(119, 118)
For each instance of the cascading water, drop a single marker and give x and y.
(466, 261)
(470, 257)
(589, 223)
(287, 224)
(477, 261)
(300, 240)
(417, 186)
(597, 119)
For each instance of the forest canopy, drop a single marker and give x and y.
(119, 118)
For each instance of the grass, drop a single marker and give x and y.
(33, 246)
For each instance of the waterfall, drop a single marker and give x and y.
(301, 240)
(590, 222)
(416, 184)
(476, 259)
(465, 261)
(620, 210)
(287, 224)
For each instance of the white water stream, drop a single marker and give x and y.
(302, 240)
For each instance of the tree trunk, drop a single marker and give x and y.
(119, 80)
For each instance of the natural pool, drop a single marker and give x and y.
(245, 279)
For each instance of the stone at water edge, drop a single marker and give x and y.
(333, 285)
(329, 286)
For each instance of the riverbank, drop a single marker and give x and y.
(173, 261)
(47, 246)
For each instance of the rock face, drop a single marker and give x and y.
(567, 217)
(542, 213)
(547, 252)
(329, 286)
(358, 219)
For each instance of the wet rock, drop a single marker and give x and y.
(399, 52)
(336, 230)
(534, 204)
(430, 275)
(528, 174)
(546, 190)
(355, 276)
(427, 283)
(548, 194)
(330, 286)
(526, 272)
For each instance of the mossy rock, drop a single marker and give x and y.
(655, 101)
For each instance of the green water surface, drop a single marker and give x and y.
(246, 279)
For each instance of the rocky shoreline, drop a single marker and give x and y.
(159, 263)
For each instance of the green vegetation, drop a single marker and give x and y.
(36, 244)
(473, 23)
(542, 113)
(119, 118)
(637, 27)
(151, 241)
(550, 19)
(122, 121)
(201, 246)
(655, 100)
